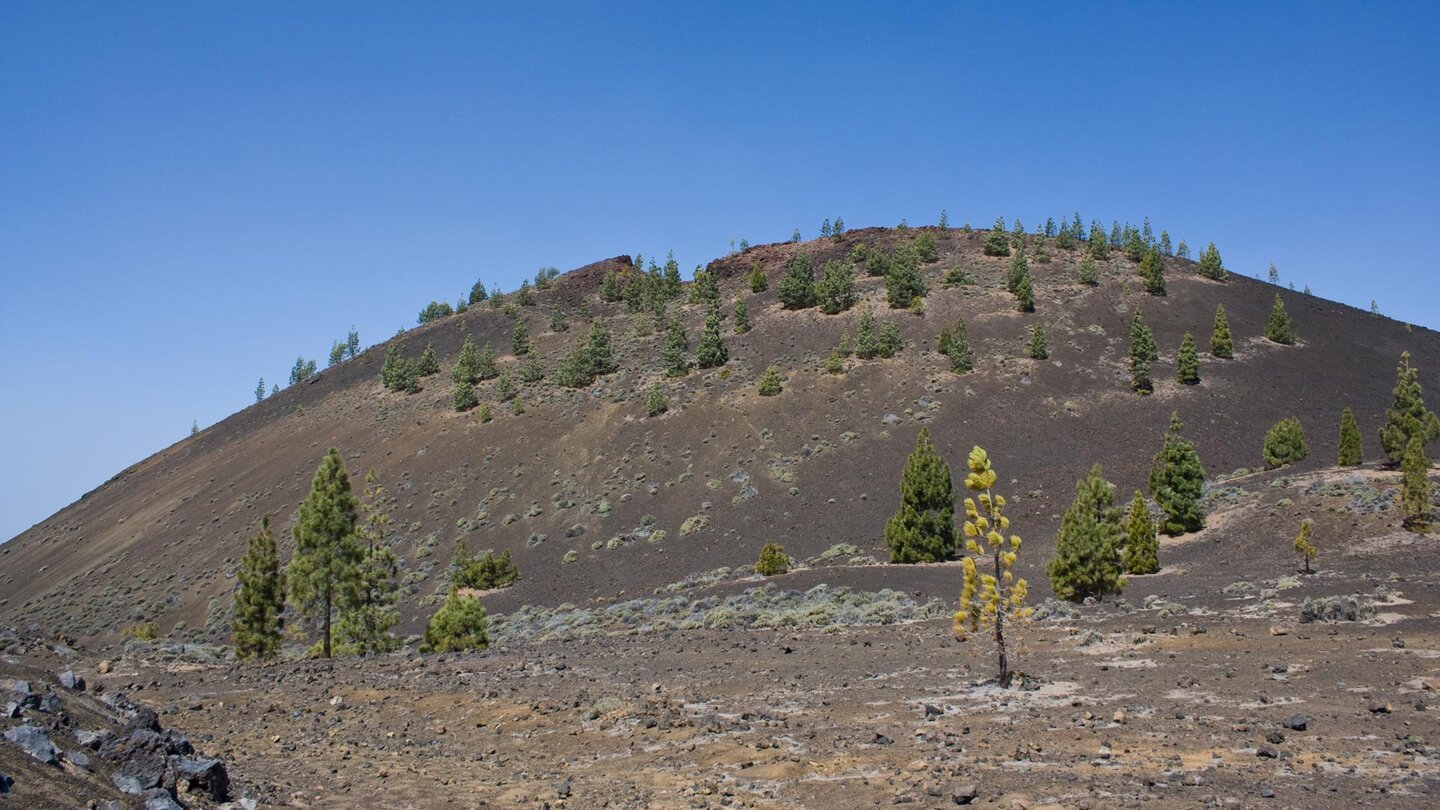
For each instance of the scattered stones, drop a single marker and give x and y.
(35, 742)
(1381, 708)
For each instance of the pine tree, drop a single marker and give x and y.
(485, 368)
(599, 356)
(1143, 352)
(671, 276)
(888, 342)
(712, 352)
(260, 390)
(1097, 245)
(656, 402)
(1279, 329)
(795, 236)
(524, 296)
(1182, 250)
(902, 281)
(1305, 546)
(706, 289)
(838, 230)
(477, 293)
(1152, 270)
(1165, 246)
(944, 220)
(1039, 347)
(256, 630)
(1187, 369)
(825, 227)
(674, 353)
(1407, 417)
(770, 383)
(835, 362)
(462, 396)
(1142, 546)
(458, 626)
(997, 242)
(520, 339)
(365, 623)
(742, 317)
(323, 573)
(759, 283)
(1087, 551)
(429, 361)
(1210, 265)
(836, 289)
(531, 371)
(1274, 275)
(485, 412)
(990, 600)
(955, 344)
(923, 529)
(797, 288)
(1285, 443)
(1177, 481)
(505, 387)
(1221, 345)
(1025, 294)
(337, 353)
(1019, 269)
(1415, 487)
(610, 287)
(1351, 446)
(867, 340)
(1089, 273)
(558, 322)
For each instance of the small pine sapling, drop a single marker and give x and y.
(1221, 344)
(1285, 443)
(1305, 545)
(994, 599)
(1039, 347)
(656, 402)
(1142, 542)
(742, 317)
(1351, 447)
(1279, 329)
(770, 383)
(1187, 367)
(1415, 487)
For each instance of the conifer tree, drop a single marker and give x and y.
(759, 283)
(485, 368)
(1351, 447)
(1152, 270)
(997, 242)
(520, 339)
(1025, 294)
(1187, 369)
(1089, 273)
(337, 353)
(610, 288)
(656, 402)
(795, 236)
(1415, 487)
(1210, 265)
(462, 395)
(838, 230)
(1142, 545)
(1143, 352)
(1305, 546)
(797, 288)
(1285, 443)
(1274, 275)
(825, 227)
(888, 342)
(836, 289)
(1087, 551)
(599, 356)
(1407, 417)
(1221, 345)
(429, 361)
(711, 352)
(675, 351)
(558, 322)
(464, 370)
(1177, 481)
(505, 389)
(524, 296)
(1097, 245)
(671, 276)
(955, 344)
(485, 412)
(1039, 347)
(994, 601)
(1182, 250)
(835, 362)
(867, 338)
(477, 293)
(902, 280)
(323, 574)
(706, 289)
(458, 626)
(256, 630)
(365, 623)
(1019, 268)
(944, 220)
(260, 390)
(923, 529)
(1279, 329)
(742, 317)
(531, 371)
(770, 383)
(1165, 246)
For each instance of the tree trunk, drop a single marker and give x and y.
(325, 642)
(1000, 626)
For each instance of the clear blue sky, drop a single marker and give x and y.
(192, 194)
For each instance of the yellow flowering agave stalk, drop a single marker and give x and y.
(989, 599)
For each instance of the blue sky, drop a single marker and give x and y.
(192, 194)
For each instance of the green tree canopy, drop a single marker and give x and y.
(923, 529)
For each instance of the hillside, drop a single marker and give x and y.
(642, 503)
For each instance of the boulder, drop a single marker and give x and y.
(35, 742)
(207, 775)
(5, 783)
(79, 759)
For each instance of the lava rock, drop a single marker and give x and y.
(129, 783)
(92, 739)
(206, 774)
(160, 800)
(5, 783)
(965, 794)
(1267, 753)
(35, 742)
(70, 680)
(79, 759)
(932, 712)
(1298, 722)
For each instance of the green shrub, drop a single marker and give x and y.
(773, 561)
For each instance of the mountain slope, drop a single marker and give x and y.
(724, 471)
